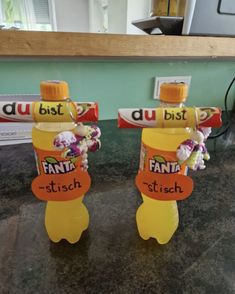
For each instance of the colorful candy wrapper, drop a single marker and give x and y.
(170, 117)
(44, 111)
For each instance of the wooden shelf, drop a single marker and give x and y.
(87, 45)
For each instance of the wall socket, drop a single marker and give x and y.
(161, 80)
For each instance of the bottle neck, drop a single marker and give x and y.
(55, 127)
(171, 105)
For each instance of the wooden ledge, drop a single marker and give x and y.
(87, 45)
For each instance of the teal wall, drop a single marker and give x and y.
(119, 84)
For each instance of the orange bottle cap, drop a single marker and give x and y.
(54, 90)
(173, 92)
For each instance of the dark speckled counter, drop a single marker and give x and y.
(111, 257)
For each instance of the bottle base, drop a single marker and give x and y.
(68, 224)
(152, 224)
(56, 238)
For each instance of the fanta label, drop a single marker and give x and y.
(161, 176)
(159, 161)
(60, 178)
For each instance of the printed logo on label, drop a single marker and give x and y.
(51, 165)
(158, 164)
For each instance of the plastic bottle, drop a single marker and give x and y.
(63, 219)
(155, 218)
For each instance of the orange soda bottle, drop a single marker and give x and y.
(63, 219)
(155, 218)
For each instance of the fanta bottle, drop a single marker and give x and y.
(63, 219)
(155, 218)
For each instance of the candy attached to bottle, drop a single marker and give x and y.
(61, 146)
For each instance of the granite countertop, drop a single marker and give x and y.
(111, 257)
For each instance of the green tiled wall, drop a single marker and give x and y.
(119, 84)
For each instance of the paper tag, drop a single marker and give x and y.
(164, 186)
(61, 187)
(161, 176)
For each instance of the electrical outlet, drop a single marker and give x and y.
(161, 80)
